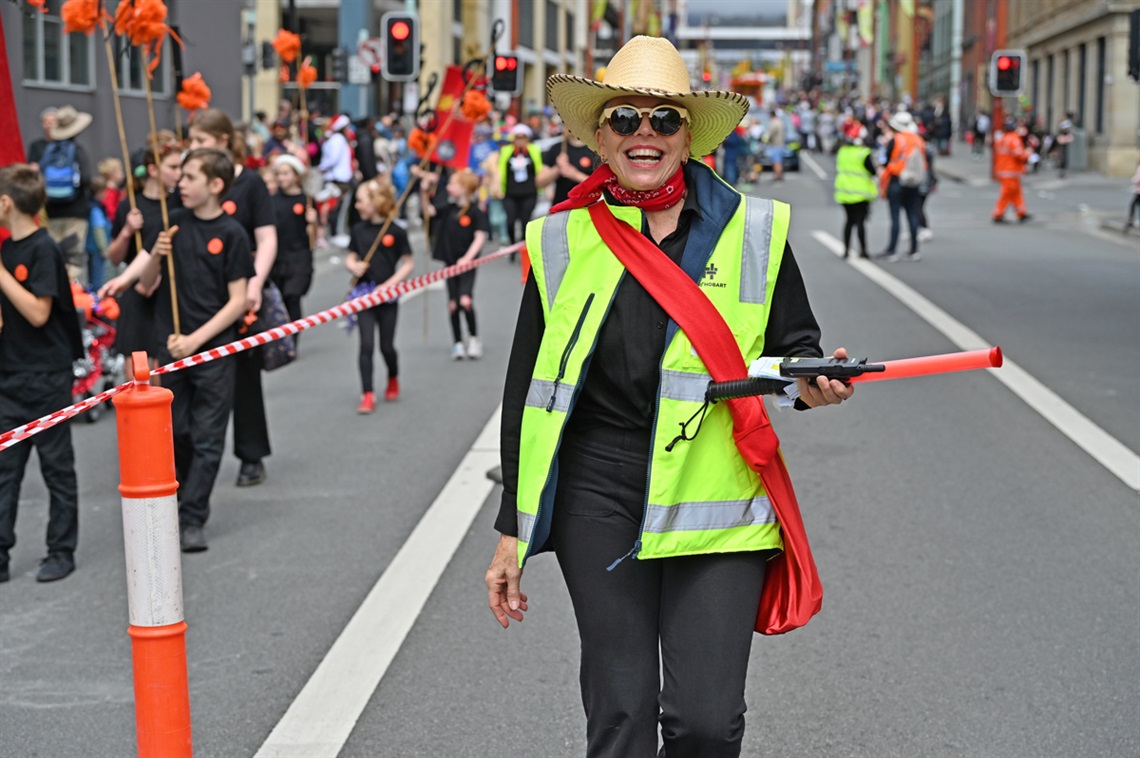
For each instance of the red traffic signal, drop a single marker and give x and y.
(1004, 63)
(507, 75)
(706, 76)
(400, 61)
(1006, 73)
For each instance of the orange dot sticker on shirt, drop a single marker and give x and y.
(298, 209)
(465, 221)
(21, 273)
(584, 161)
(214, 246)
(388, 240)
(229, 207)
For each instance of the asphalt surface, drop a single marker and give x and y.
(980, 570)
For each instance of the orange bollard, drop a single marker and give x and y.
(154, 566)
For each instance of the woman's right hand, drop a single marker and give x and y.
(503, 578)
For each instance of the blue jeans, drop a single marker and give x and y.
(903, 198)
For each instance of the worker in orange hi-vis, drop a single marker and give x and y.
(1010, 157)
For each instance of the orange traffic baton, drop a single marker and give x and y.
(154, 566)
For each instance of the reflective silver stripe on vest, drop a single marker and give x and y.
(681, 385)
(526, 525)
(538, 396)
(725, 514)
(758, 217)
(555, 253)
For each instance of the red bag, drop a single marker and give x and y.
(792, 592)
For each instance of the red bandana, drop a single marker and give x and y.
(666, 196)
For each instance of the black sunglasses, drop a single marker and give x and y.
(625, 119)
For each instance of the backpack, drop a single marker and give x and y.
(60, 167)
(913, 173)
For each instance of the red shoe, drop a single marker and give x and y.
(393, 390)
(367, 403)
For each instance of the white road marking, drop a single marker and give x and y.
(1104, 448)
(806, 159)
(323, 715)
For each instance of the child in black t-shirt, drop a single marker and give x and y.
(390, 264)
(293, 269)
(39, 339)
(212, 267)
(463, 228)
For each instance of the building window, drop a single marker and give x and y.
(1100, 74)
(569, 32)
(1082, 81)
(54, 58)
(129, 67)
(526, 24)
(1049, 81)
(551, 26)
(1066, 75)
(1035, 85)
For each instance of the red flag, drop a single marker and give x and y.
(454, 140)
(11, 147)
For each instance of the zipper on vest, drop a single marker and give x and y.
(569, 349)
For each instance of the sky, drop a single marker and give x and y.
(739, 7)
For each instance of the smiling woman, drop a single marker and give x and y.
(599, 379)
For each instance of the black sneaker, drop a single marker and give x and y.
(999, 220)
(192, 539)
(495, 474)
(56, 566)
(251, 474)
(1023, 219)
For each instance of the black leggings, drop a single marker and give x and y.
(384, 318)
(457, 287)
(856, 219)
(518, 208)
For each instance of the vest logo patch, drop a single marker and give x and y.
(710, 274)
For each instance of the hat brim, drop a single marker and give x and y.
(81, 122)
(713, 114)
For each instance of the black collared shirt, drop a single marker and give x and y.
(621, 386)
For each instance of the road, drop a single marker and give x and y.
(980, 566)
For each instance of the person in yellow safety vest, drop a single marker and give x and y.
(598, 380)
(520, 179)
(855, 186)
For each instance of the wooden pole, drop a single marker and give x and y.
(161, 195)
(119, 121)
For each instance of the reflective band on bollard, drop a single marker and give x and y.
(154, 566)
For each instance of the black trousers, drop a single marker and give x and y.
(251, 429)
(519, 208)
(699, 610)
(856, 219)
(381, 319)
(26, 396)
(457, 287)
(202, 399)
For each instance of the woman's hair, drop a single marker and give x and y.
(166, 143)
(383, 196)
(468, 180)
(218, 125)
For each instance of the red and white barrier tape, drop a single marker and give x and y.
(364, 302)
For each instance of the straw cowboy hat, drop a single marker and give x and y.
(902, 122)
(646, 66)
(69, 123)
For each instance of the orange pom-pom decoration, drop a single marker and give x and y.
(144, 22)
(195, 93)
(420, 142)
(82, 15)
(306, 74)
(39, 4)
(475, 106)
(287, 45)
(283, 75)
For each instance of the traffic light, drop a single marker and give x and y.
(400, 32)
(1007, 73)
(268, 55)
(339, 65)
(507, 74)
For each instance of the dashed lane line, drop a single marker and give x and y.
(807, 160)
(1103, 447)
(322, 717)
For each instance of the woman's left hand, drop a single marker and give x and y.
(820, 390)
